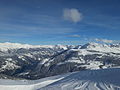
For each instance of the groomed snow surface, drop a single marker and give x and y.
(104, 79)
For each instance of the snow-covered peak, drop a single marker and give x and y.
(89, 46)
(102, 47)
(93, 45)
(7, 45)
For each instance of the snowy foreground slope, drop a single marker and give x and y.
(102, 79)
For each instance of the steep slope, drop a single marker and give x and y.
(107, 79)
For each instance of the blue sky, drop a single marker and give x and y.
(59, 21)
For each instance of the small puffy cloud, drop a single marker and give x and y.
(104, 40)
(75, 35)
(72, 15)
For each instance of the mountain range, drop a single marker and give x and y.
(24, 61)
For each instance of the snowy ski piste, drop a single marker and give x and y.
(102, 79)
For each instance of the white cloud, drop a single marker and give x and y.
(72, 15)
(104, 40)
(75, 35)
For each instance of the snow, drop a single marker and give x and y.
(21, 57)
(39, 58)
(9, 66)
(76, 61)
(107, 79)
(29, 55)
(7, 45)
(24, 84)
(9, 59)
(44, 60)
(93, 65)
(104, 79)
(72, 61)
(115, 48)
(85, 52)
(102, 47)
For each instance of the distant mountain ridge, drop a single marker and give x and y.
(8, 45)
(39, 61)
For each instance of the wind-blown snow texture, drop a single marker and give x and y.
(104, 79)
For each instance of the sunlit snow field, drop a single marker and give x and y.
(105, 79)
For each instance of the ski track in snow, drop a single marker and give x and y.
(28, 87)
(107, 79)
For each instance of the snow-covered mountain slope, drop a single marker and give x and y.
(35, 62)
(115, 48)
(104, 79)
